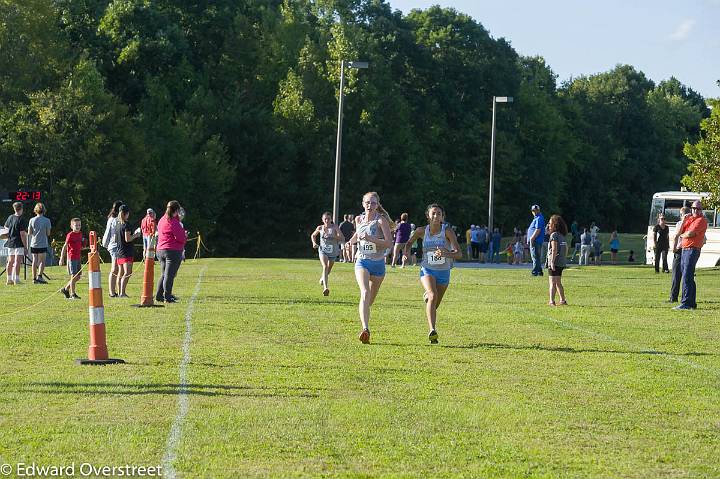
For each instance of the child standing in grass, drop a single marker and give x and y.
(557, 258)
(440, 248)
(71, 249)
(126, 249)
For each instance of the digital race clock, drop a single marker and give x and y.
(25, 196)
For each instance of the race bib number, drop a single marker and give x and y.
(368, 247)
(433, 258)
(327, 249)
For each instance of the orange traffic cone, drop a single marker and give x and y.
(147, 299)
(97, 352)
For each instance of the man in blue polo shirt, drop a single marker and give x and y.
(535, 236)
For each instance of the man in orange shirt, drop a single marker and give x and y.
(148, 225)
(692, 235)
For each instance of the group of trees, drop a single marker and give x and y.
(230, 106)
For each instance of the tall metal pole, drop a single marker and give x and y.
(338, 147)
(492, 171)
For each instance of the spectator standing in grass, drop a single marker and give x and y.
(518, 251)
(475, 241)
(16, 243)
(536, 236)
(677, 256)
(692, 235)
(110, 242)
(148, 225)
(557, 258)
(614, 246)
(170, 249)
(402, 234)
(575, 240)
(72, 249)
(347, 229)
(126, 250)
(39, 232)
(495, 246)
(468, 241)
(597, 250)
(661, 240)
(585, 247)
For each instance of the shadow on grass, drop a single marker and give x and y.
(557, 349)
(169, 389)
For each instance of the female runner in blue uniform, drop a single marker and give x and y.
(372, 233)
(328, 247)
(440, 248)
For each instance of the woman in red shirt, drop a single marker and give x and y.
(170, 247)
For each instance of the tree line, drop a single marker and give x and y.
(230, 107)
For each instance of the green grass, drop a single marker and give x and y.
(616, 385)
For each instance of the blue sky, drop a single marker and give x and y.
(662, 38)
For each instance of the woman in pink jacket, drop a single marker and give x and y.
(170, 247)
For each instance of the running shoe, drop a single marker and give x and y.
(365, 336)
(171, 300)
(326, 292)
(65, 292)
(433, 337)
(75, 296)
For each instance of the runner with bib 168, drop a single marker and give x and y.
(440, 248)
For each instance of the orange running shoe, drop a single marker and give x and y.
(365, 336)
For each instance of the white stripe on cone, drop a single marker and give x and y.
(95, 280)
(97, 315)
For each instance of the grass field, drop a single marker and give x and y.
(615, 385)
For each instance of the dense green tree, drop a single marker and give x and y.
(230, 106)
(704, 158)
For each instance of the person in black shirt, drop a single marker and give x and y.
(16, 244)
(347, 229)
(126, 249)
(661, 235)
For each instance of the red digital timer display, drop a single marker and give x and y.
(25, 195)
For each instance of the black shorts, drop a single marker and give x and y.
(613, 250)
(38, 250)
(558, 271)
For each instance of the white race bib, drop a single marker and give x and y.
(327, 249)
(435, 259)
(368, 247)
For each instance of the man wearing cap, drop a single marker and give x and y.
(535, 236)
(677, 256)
(149, 229)
(692, 236)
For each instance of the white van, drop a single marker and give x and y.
(669, 203)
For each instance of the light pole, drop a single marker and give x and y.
(338, 147)
(496, 99)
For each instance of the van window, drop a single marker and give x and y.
(657, 207)
(672, 210)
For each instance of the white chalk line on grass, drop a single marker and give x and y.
(668, 356)
(183, 399)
